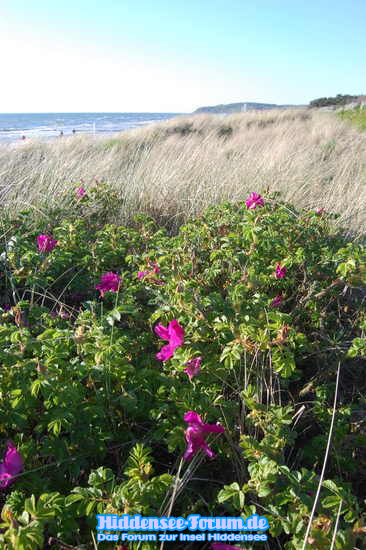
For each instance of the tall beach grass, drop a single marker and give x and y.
(175, 169)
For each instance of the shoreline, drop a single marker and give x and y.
(47, 127)
(33, 140)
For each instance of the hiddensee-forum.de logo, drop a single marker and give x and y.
(194, 522)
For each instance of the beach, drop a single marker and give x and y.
(45, 126)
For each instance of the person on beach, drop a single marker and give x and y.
(23, 138)
(74, 132)
(61, 133)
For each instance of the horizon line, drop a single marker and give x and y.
(94, 112)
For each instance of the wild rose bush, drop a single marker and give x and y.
(129, 358)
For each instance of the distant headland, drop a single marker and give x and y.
(241, 107)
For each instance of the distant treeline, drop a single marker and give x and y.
(337, 100)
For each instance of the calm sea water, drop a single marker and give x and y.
(49, 125)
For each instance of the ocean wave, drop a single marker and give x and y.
(48, 125)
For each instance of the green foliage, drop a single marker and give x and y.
(99, 420)
(339, 99)
(356, 116)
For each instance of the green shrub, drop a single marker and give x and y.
(356, 116)
(99, 420)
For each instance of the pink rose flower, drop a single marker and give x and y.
(11, 466)
(46, 243)
(277, 301)
(254, 200)
(109, 282)
(280, 271)
(193, 367)
(174, 333)
(80, 192)
(150, 273)
(319, 211)
(195, 435)
(142, 274)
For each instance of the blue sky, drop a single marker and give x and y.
(174, 56)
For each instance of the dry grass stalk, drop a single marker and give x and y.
(177, 168)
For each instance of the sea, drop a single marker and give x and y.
(52, 125)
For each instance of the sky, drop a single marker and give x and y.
(177, 55)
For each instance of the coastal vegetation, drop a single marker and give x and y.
(182, 331)
(173, 171)
(355, 116)
(339, 100)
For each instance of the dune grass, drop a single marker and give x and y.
(174, 170)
